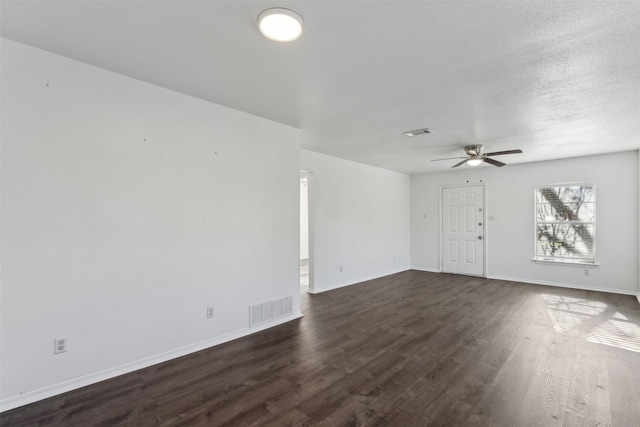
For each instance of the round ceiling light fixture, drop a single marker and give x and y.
(474, 161)
(280, 25)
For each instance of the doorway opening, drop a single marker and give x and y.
(306, 233)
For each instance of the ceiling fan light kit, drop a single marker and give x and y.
(474, 161)
(476, 156)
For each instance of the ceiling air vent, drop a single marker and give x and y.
(417, 132)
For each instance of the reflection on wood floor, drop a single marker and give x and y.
(411, 349)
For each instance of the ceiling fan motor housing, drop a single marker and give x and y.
(474, 150)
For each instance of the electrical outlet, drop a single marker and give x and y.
(60, 345)
(586, 271)
(341, 269)
(210, 312)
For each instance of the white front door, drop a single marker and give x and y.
(463, 230)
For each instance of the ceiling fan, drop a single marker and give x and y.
(476, 155)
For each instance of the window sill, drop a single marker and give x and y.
(564, 262)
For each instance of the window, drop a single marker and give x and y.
(565, 223)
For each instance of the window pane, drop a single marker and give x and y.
(568, 194)
(571, 241)
(573, 211)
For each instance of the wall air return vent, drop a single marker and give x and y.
(266, 311)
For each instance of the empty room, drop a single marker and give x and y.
(257, 213)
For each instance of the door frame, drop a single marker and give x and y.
(441, 189)
(310, 227)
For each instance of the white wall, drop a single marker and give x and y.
(126, 210)
(510, 236)
(361, 221)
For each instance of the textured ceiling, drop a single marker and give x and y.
(555, 79)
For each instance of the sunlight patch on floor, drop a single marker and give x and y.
(620, 316)
(567, 313)
(563, 321)
(616, 333)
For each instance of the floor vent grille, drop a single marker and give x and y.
(260, 313)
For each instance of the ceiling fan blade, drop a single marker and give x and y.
(458, 164)
(499, 153)
(494, 162)
(450, 158)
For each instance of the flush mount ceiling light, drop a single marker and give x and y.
(280, 25)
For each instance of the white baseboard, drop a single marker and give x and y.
(54, 390)
(427, 269)
(545, 283)
(565, 285)
(354, 282)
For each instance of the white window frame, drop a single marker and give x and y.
(563, 259)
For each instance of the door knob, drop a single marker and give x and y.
(480, 237)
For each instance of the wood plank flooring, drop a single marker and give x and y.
(411, 349)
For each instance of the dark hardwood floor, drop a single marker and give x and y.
(411, 349)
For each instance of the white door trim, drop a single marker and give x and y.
(441, 189)
(311, 227)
